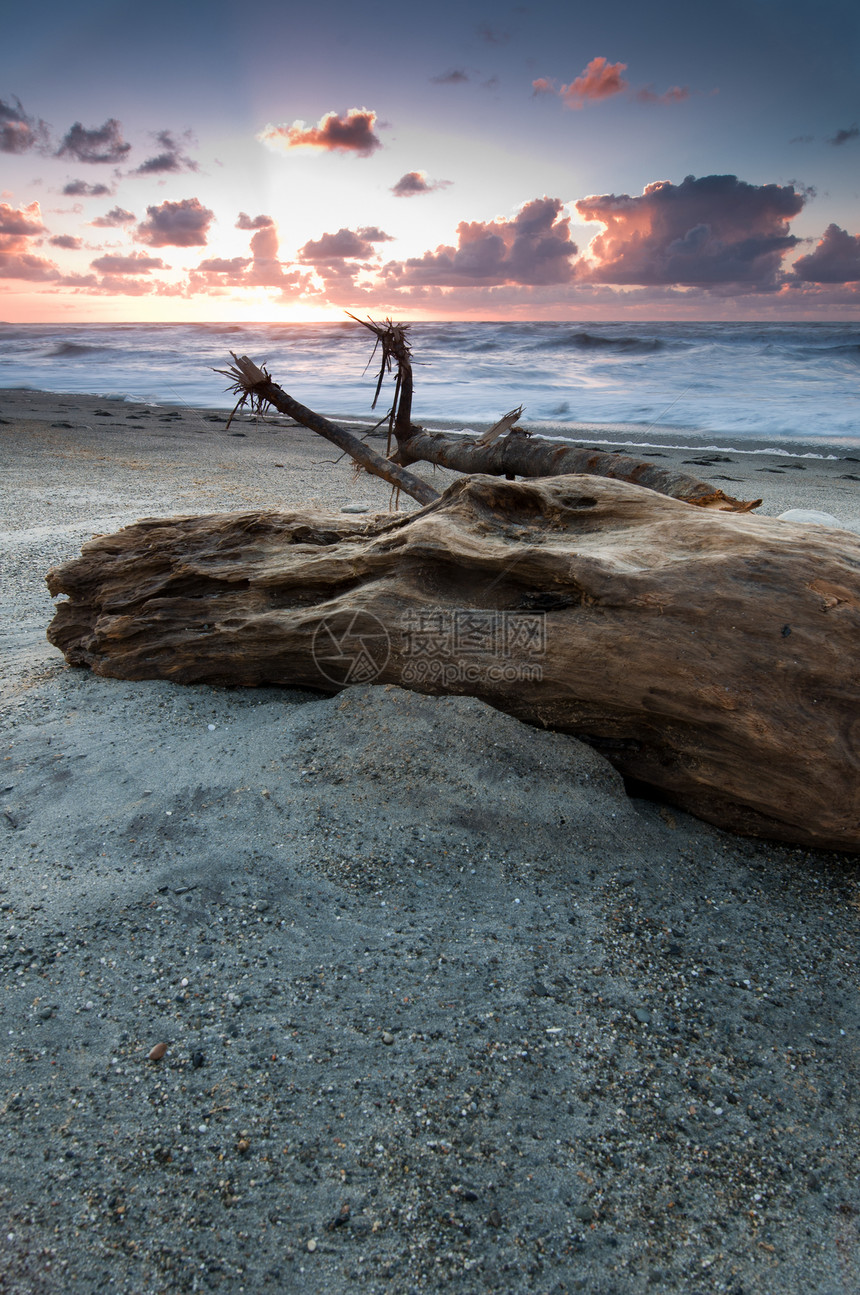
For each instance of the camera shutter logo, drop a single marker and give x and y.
(351, 647)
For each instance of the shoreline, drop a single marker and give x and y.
(831, 474)
(442, 1005)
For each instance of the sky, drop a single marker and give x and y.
(277, 161)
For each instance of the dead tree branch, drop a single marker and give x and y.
(505, 450)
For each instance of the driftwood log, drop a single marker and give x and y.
(712, 656)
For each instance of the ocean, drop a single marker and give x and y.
(755, 386)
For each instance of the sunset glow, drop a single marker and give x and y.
(549, 165)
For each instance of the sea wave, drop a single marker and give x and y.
(75, 348)
(582, 341)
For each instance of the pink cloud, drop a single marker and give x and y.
(20, 221)
(836, 259)
(134, 263)
(415, 182)
(711, 231)
(534, 248)
(18, 226)
(15, 265)
(352, 133)
(66, 240)
(600, 80)
(543, 85)
(176, 224)
(261, 269)
(264, 244)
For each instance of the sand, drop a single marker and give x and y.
(443, 1006)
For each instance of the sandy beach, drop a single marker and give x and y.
(443, 1007)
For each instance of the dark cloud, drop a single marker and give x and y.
(534, 248)
(19, 133)
(66, 240)
(675, 94)
(456, 76)
(80, 189)
(352, 133)
(844, 135)
(802, 139)
(259, 222)
(836, 259)
(116, 216)
(346, 244)
(492, 35)
(710, 231)
(170, 159)
(415, 182)
(176, 224)
(219, 265)
(134, 263)
(102, 144)
(600, 80)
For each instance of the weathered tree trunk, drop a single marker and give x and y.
(710, 655)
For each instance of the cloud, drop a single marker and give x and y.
(116, 216)
(844, 135)
(219, 265)
(80, 189)
(19, 133)
(66, 240)
(14, 265)
(102, 144)
(352, 133)
(134, 263)
(17, 222)
(492, 35)
(456, 76)
(600, 80)
(170, 159)
(264, 244)
(415, 182)
(836, 259)
(710, 231)
(801, 139)
(176, 224)
(261, 269)
(18, 225)
(346, 244)
(675, 94)
(534, 248)
(259, 222)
